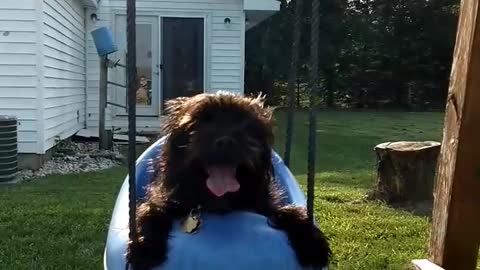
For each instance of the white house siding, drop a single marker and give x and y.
(64, 69)
(18, 69)
(224, 47)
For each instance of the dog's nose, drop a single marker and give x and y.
(224, 143)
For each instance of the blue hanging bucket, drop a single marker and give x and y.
(104, 43)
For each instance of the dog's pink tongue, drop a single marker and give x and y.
(221, 180)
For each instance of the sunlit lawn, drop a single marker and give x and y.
(60, 222)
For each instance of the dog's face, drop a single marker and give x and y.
(224, 141)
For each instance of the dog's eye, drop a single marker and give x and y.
(207, 117)
(255, 129)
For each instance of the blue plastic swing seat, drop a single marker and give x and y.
(237, 241)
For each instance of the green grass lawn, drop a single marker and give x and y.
(364, 235)
(60, 222)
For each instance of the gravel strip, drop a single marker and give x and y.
(75, 157)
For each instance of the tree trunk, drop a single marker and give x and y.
(267, 82)
(406, 171)
(330, 87)
(292, 79)
(312, 119)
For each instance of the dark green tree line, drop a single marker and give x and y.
(372, 52)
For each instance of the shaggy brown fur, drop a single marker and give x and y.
(212, 130)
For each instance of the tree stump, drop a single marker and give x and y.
(406, 171)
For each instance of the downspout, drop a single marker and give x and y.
(40, 147)
(88, 8)
(86, 23)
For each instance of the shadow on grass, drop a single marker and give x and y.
(421, 209)
(353, 188)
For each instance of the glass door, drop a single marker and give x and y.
(183, 52)
(148, 66)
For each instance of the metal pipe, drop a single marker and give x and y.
(292, 78)
(117, 84)
(116, 105)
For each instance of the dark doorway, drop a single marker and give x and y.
(182, 57)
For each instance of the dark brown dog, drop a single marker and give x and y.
(218, 156)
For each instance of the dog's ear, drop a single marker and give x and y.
(174, 108)
(175, 105)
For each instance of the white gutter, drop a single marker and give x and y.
(90, 3)
(261, 5)
(257, 11)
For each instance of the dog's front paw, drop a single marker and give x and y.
(309, 243)
(311, 247)
(141, 256)
(147, 253)
(150, 250)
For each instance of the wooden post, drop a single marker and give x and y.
(425, 265)
(102, 134)
(455, 235)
